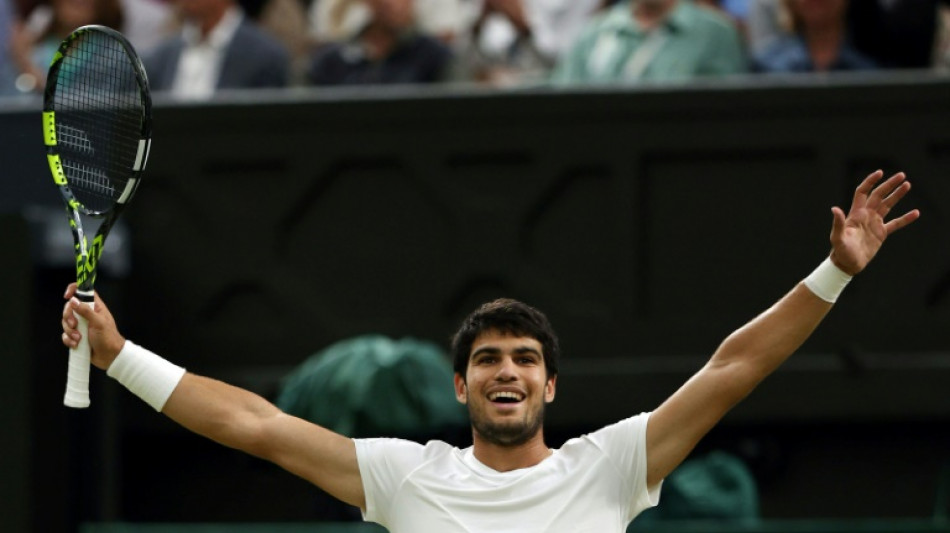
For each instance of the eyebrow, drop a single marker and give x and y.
(494, 350)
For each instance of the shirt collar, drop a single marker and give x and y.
(220, 35)
(620, 17)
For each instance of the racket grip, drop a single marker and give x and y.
(77, 375)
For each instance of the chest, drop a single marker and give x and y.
(588, 496)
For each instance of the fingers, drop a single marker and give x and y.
(70, 290)
(863, 191)
(98, 304)
(882, 197)
(70, 323)
(902, 221)
(883, 191)
(71, 340)
(891, 199)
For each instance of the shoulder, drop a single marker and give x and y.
(628, 428)
(161, 57)
(703, 20)
(616, 451)
(707, 15)
(401, 449)
(166, 47)
(626, 434)
(614, 19)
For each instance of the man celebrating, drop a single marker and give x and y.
(506, 372)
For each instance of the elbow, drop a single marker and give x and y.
(246, 432)
(737, 377)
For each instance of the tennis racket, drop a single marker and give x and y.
(97, 130)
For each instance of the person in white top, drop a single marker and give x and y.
(506, 355)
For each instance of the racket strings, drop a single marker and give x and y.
(99, 115)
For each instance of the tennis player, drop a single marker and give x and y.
(506, 372)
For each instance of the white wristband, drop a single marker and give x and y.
(145, 374)
(827, 281)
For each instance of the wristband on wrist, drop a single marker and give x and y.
(827, 281)
(145, 374)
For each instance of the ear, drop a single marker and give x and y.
(461, 390)
(549, 389)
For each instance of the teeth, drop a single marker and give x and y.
(505, 394)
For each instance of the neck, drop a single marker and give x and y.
(651, 13)
(507, 458)
(208, 23)
(824, 43)
(379, 40)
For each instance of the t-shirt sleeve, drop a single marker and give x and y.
(625, 444)
(384, 464)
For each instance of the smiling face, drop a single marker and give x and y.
(506, 387)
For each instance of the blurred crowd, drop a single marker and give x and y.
(192, 48)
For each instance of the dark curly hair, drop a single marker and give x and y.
(506, 316)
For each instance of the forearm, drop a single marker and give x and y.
(240, 419)
(756, 349)
(742, 361)
(228, 415)
(764, 343)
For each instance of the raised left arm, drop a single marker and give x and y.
(756, 349)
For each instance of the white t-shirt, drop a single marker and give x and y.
(595, 483)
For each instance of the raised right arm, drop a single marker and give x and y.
(232, 416)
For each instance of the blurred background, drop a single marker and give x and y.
(344, 180)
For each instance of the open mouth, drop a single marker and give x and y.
(506, 397)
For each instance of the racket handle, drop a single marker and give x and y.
(77, 375)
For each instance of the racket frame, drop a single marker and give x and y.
(87, 257)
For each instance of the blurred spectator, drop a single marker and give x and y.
(737, 10)
(337, 20)
(287, 20)
(218, 47)
(941, 60)
(897, 33)
(653, 40)
(817, 40)
(340, 20)
(35, 40)
(763, 24)
(388, 50)
(147, 23)
(445, 19)
(517, 41)
(7, 72)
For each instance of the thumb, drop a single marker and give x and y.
(84, 310)
(837, 223)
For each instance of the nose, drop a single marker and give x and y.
(506, 370)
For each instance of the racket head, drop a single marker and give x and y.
(97, 118)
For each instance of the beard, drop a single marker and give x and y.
(507, 434)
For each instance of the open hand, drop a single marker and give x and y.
(856, 238)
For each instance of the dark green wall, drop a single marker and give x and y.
(648, 223)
